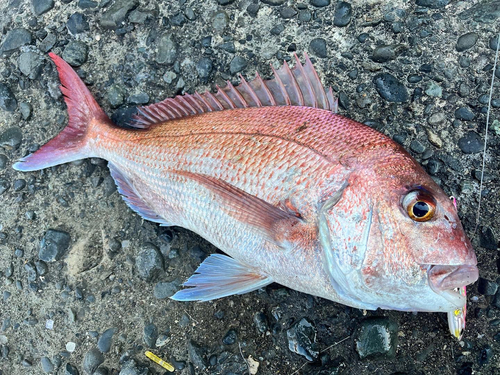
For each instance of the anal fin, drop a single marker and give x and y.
(132, 197)
(220, 276)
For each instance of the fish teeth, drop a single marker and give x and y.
(456, 318)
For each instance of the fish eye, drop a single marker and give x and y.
(420, 205)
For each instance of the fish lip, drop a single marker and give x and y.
(448, 279)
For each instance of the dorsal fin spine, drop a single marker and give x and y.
(237, 94)
(310, 89)
(226, 97)
(216, 101)
(294, 83)
(250, 91)
(266, 89)
(281, 86)
(204, 101)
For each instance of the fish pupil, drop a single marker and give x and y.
(420, 209)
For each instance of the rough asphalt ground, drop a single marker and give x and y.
(84, 281)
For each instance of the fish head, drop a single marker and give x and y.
(392, 239)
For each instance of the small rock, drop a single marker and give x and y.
(75, 53)
(77, 23)
(42, 6)
(104, 342)
(287, 12)
(70, 370)
(178, 19)
(47, 43)
(220, 21)
(434, 138)
(25, 109)
(149, 262)
(494, 43)
(150, 335)
(320, 3)
(196, 355)
(15, 38)
(277, 30)
(54, 245)
(3, 161)
(437, 119)
(434, 90)
(377, 338)
(41, 267)
(464, 114)
(386, 53)
(487, 239)
(305, 15)
(273, 2)
(302, 339)
(390, 88)
(466, 41)
(8, 101)
(30, 64)
(483, 12)
(485, 355)
(167, 49)
(343, 14)
(93, 359)
(471, 143)
(138, 17)
(237, 64)
(169, 77)
(261, 322)
(47, 365)
(433, 4)
(87, 4)
(317, 47)
(253, 9)
(487, 287)
(204, 67)
(114, 16)
(70, 346)
(138, 99)
(230, 337)
(116, 96)
(225, 2)
(11, 138)
(228, 47)
(417, 147)
(164, 290)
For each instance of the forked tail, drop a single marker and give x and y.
(71, 143)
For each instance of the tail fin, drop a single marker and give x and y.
(70, 144)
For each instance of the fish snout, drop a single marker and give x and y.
(446, 277)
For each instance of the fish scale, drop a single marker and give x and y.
(292, 192)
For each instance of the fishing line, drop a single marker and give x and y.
(486, 137)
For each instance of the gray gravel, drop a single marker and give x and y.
(75, 258)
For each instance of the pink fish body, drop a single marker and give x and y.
(292, 192)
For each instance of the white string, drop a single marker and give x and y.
(486, 136)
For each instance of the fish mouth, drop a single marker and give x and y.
(447, 280)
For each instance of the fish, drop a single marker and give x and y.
(289, 190)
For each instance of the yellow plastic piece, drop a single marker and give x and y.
(158, 360)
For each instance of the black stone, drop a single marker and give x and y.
(471, 143)
(87, 4)
(261, 322)
(8, 101)
(75, 53)
(11, 138)
(343, 14)
(167, 49)
(277, 30)
(494, 43)
(466, 41)
(225, 2)
(386, 53)
(253, 9)
(4, 185)
(273, 2)
(487, 239)
(178, 19)
(54, 245)
(77, 23)
(47, 365)
(70, 370)
(164, 290)
(3, 161)
(14, 39)
(320, 3)
(42, 6)
(377, 338)
(114, 16)
(93, 358)
(417, 147)
(317, 47)
(204, 67)
(30, 64)
(149, 262)
(230, 337)
(228, 47)
(197, 356)
(237, 64)
(390, 88)
(433, 4)
(287, 12)
(483, 12)
(47, 43)
(302, 339)
(105, 341)
(487, 287)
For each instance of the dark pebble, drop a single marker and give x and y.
(138, 99)
(343, 14)
(487, 239)
(11, 138)
(6, 295)
(75, 53)
(305, 16)
(433, 167)
(390, 88)
(261, 322)
(386, 53)
(302, 339)
(433, 4)
(253, 9)
(25, 109)
(93, 359)
(230, 337)
(414, 78)
(471, 143)
(30, 215)
(227, 46)
(189, 13)
(42, 6)
(225, 2)
(14, 39)
(3, 161)
(116, 96)
(485, 355)
(30, 64)
(77, 23)
(377, 338)
(487, 287)
(87, 4)
(277, 30)
(178, 19)
(19, 184)
(417, 147)
(197, 356)
(47, 43)
(237, 64)
(104, 342)
(47, 365)
(8, 101)
(164, 290)
(54, 245)
(320, 3)
(466, 41)
(167, 49)
(149, 262)
(70, 370)
(317, 47)
(19, 253)
(363, 37)
(287, 12)
(484, 12)
(113, 17)
(464, 90)
(204, 67)
(494, 43)
(273, 2)
(30, 268)
(41, 267)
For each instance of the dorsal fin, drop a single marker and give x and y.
(297, 86)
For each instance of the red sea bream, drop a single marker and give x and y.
(292, 192)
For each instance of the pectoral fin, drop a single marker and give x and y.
(220, 276)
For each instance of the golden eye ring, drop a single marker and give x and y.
(419, 205)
